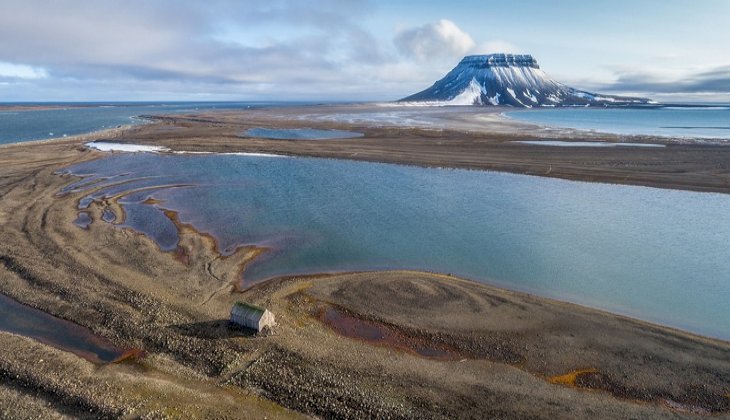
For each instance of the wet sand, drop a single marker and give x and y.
(454, 348)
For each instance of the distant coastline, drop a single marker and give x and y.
(91, 135)
(31, 121)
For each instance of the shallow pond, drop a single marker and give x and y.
(24, 320)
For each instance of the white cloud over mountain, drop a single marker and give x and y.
(442, 39)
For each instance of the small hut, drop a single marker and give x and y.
(251, 316)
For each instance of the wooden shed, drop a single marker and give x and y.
(251, 316)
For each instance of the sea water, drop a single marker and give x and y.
(78, 118)
(658, 255)
(682, 122)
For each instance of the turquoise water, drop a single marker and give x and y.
(710, 122)
(658, 255)
(19, 126)
(301, 134)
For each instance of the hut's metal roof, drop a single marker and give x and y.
(248, 308)
(248, 315)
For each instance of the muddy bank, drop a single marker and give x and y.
(628, 359)
(500, 354)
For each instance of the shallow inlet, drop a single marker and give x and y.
(300, 134)
(557, 143)
(658, 255)
(83, 220)
(23, 320)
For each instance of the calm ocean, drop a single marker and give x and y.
(80, 118)
(682, 122)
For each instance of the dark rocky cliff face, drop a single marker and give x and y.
(512, 80)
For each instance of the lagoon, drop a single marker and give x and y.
(654, 254)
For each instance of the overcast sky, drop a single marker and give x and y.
(351, 50)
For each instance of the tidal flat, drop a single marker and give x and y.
(450, 347)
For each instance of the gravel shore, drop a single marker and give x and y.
(508, 354)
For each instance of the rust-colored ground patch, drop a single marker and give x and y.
(381, 334)
(570, 378)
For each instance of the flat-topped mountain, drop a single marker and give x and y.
(512, 80)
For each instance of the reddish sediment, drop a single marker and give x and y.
(381, 334)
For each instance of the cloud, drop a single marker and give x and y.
(439, 40)
(184, 43)
(233, 49)
(251, 49)
(21, 71)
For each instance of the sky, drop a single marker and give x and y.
(343, 50)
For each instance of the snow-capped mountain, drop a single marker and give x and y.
(512, 80)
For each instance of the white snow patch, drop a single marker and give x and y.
(530, 96)
(559, 143)
(604, 98)
(472, 95)
(255, 154)
(105, 146)
(512, 93)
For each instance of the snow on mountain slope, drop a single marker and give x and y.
(512, 80)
